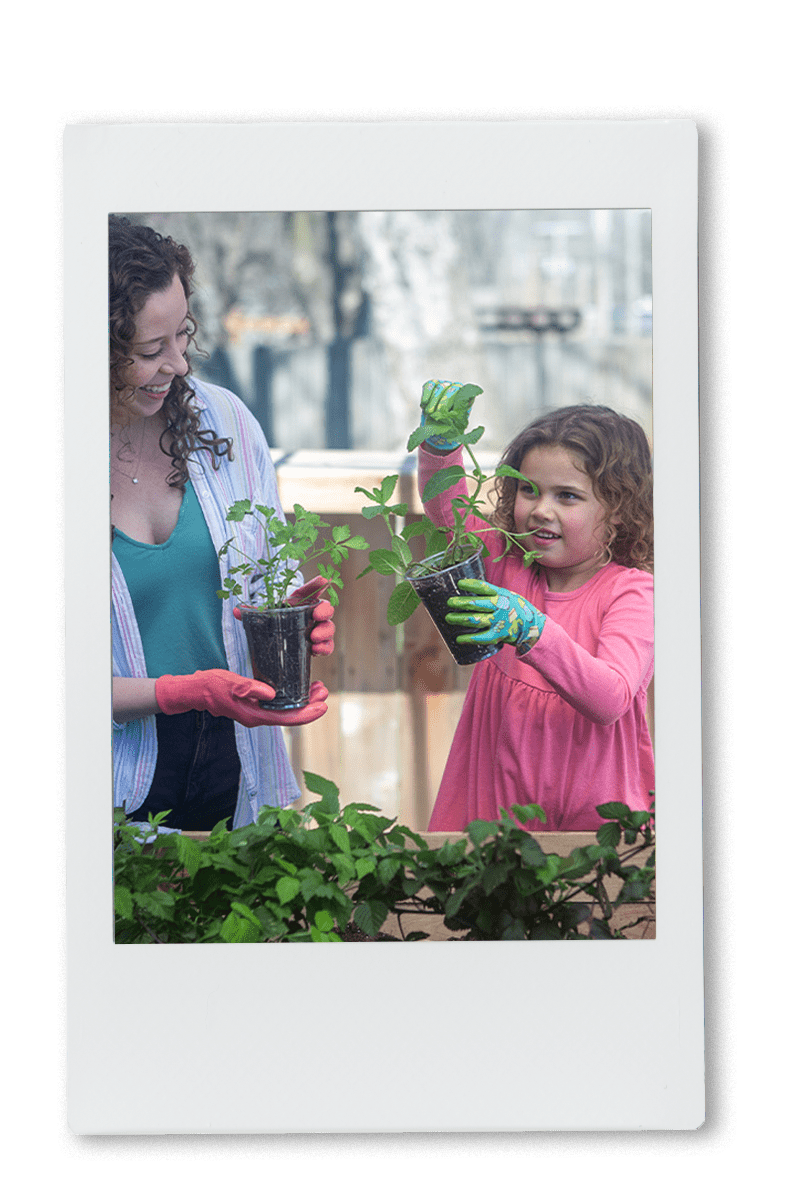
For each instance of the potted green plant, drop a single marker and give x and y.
(278, 631)
(452, 552)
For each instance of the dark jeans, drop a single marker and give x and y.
(197, 771)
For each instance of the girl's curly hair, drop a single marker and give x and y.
(614, 452)
(141, 262)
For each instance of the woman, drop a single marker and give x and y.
(189, 733)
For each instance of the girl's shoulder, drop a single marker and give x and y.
(629, 578)
(625, 588)
(614, 579)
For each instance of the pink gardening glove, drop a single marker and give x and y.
(322, 632)
(225, 694)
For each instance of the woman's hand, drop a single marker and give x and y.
(448, 405)
(500, 615)
(225, 694)
(323, 628)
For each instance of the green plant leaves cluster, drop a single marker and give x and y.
(446, 544)
(311, 875)
(509, 889)
(290, 546)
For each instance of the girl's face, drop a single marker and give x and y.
(566, 518)
(158, 350)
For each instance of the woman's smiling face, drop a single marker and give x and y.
(158, 352)
(568, 515)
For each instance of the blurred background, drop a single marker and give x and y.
(327, 324)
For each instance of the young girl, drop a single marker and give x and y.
(558, 716)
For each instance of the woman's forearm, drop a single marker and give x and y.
(133, 698)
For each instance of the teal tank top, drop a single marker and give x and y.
(173, 592)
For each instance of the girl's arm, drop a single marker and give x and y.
(439, 510)
(602, 686)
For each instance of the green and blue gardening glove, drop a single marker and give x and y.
(500, 615)
(449, 406)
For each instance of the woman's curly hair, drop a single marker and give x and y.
(614, 452)
(141, 262)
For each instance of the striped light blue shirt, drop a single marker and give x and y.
(266, 774)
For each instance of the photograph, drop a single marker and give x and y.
(342, 372)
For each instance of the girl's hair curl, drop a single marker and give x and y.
(141, 262)
(614, 452)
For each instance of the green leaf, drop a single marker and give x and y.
(545, 933)
(469, 391)
(531, 852)
(510, 473)
(239, 510)
(360, 823)
(188, 854)
(339, 835)
(609, 834)
(450, 853)
(417, 529)
(240, 925)
(386, 562)
(341, 532)
(528, 812)
(479, 831)
(446, 478)
(492, 876)
(402, 603)
(370, 916)
(310, 880)
(357, 543)
(317, 935)
(436, 541)
(345, 867)
(364, 866)
(329, 791)
(287, 888)
(614, 808)
(387, 869)
(634, 890)
(324, 921)
(124, 906)
(417, 437)
(550, 869)
(388, 486)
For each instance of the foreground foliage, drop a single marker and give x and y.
(324, 873)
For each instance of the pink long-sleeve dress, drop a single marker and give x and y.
(563, 726)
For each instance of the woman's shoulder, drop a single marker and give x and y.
(225, 410)
(211, 396)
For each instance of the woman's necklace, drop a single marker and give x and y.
(135, 477)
